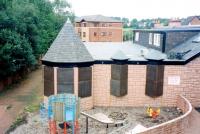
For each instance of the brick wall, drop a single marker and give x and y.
(114, 31)
(195, 21)
(177, 125)
(112, 34)
(189, 75)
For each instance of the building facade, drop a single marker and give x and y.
(157, 67)
(192, 20)
(98, 28)
(174, 23)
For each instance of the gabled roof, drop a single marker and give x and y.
(96, 18)
(189, 19)
(67, 48)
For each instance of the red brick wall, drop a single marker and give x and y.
(195, 21)
(101, 74)
(189, 86)
(115, 36)
(177, 125)
(114, 31)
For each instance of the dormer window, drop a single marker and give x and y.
(156, 40)
(137, 36)
(150, 38)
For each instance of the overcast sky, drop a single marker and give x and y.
(137, 8)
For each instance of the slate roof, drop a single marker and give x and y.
(67, 48)
(96, 18)
(190, 48)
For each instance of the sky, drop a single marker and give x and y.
(140, 9)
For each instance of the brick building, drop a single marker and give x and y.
(174, 23)
(154, 69)
(192, 20)
(98, 28)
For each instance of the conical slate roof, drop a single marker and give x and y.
(119, 55)
(67, 48)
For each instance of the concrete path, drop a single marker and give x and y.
(13, 102)
(194, 123)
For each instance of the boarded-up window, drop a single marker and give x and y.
(154, 80)
(65, 80)
(48, 81)
(85, 81)
(119, 80)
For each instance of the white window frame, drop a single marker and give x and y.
(156, 39)
(137, 35)
(150, 38)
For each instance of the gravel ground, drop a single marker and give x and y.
(134, 116)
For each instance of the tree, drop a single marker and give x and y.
(125, 22)
(27, 28)
(134, 24)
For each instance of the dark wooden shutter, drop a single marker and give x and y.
(154, 80)
(48, 81)
(85, 82)
(65, 80)
(119, 80)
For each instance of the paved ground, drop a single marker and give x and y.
(194, 123)
(12, 102)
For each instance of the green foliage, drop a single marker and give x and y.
(127, 34)
(125, 22)
(134, 24)
(27, 28)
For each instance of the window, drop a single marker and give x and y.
(85, 81)
(104, 25)
(79, 34)
(48, 81)
(95, 34)
(103, 33)
(150, 39)
(154, 80)
(110, 33)
(84, 24)
(84, 34)
(156, 41)
(110, 25)
(137, 36)
(95, 24)
(119, 80)
(65, 80)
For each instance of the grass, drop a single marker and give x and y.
(127, 29)
(32, 108)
